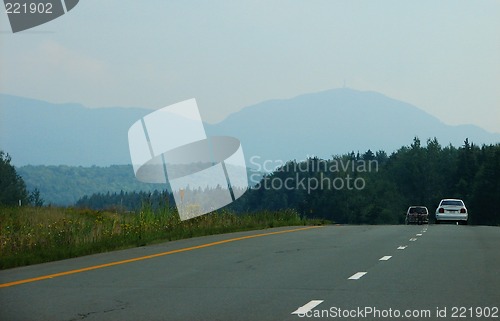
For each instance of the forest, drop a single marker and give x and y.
(63, 185)
(361, 188)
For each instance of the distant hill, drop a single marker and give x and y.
(64, 185)
(320, 124)
(338, 121)
(36, 132)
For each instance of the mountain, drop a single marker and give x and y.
(336, 122)
(40, 133)
(321, 124)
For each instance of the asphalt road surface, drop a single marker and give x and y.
(436, 272)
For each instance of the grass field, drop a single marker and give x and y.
(30, 235)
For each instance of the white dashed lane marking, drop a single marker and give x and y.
(357, 276)
(308, 307)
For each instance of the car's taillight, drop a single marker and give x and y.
(463, 210)
(441, 210)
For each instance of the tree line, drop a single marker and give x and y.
(354, 188)
(366, 188)
(412, 175)
(64, 185)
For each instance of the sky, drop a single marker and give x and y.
(442, 56)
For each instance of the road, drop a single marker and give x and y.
(286, 275)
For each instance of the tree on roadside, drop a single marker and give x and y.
(12, 187)
(35, 199)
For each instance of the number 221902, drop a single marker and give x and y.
(32, 7)
(479, 312)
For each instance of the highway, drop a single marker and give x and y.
(429, 272)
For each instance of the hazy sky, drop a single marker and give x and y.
(442, 56)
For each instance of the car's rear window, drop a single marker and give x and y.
(454, 203)
(418, 210)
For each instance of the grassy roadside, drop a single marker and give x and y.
(30, 235)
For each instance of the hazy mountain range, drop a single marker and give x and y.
(321, 124)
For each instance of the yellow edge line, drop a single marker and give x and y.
(95, 267)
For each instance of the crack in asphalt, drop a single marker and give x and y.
(119, 306)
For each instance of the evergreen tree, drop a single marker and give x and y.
(12, 187)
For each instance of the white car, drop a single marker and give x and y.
(451, 209)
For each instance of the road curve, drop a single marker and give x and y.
(276, 274)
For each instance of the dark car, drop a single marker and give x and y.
(417, 215)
